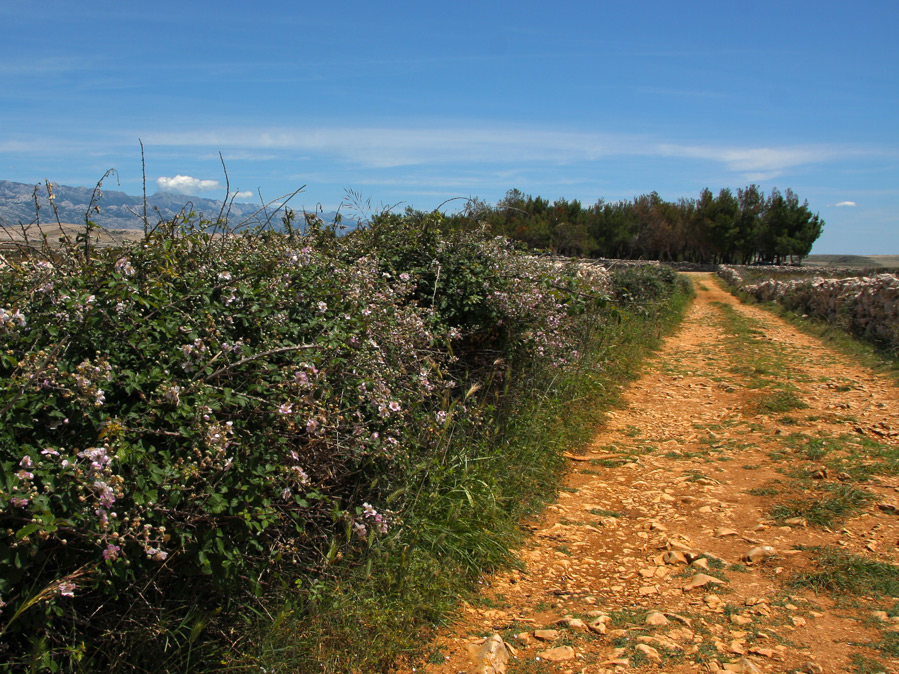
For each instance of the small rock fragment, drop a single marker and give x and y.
(616, 662)
(759, 553)
(573, 624)
(558, 654)
(743, 665)
(686, 621)
(489, 657)
(649, 652)
(598, 626)
(764, 652)
(812, 668)
(817, 472)
(674, 557)
(701, 580)
(546, 635)
(656, 618)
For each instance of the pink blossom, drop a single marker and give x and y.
(156, 554)
(360, 529)
(66, 589)
(301, 475)
(106, 494)
(111, 551)
(123, 266)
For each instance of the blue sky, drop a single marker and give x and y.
(416, 103)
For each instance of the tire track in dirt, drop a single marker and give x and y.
(692, 469)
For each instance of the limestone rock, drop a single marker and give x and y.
(546, 635)
(744, 666)
(764, 652)
(617, 662)
(817, 472)
(599, 625)
(558, 654)
(649, 652)
(701, 580)
(759, 553)
(674, 557)
(656, 618)
(573, 624)
(490, 657)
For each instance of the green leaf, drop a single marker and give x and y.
(27, 530)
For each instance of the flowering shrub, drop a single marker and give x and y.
(642, 284)
(239, 410)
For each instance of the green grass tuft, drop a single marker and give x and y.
(840, 572)
(837, 503)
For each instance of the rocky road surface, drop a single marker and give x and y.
(747, 457)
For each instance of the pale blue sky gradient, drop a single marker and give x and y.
(416, 103)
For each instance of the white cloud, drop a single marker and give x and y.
(386, 147)
(243, 195)
(841, 204)
(186, 185)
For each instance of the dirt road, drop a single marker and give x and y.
(742, 433)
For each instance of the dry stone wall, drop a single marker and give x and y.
(867, 305)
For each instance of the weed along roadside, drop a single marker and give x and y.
(289, 452)
(736, 512)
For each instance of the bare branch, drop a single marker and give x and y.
(143, 173)
(283, 349)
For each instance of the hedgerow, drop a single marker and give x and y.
(196, 420)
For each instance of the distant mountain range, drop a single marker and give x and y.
(119, 210)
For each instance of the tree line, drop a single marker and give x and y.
(743, 228)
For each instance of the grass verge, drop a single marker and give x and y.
(876, 357)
